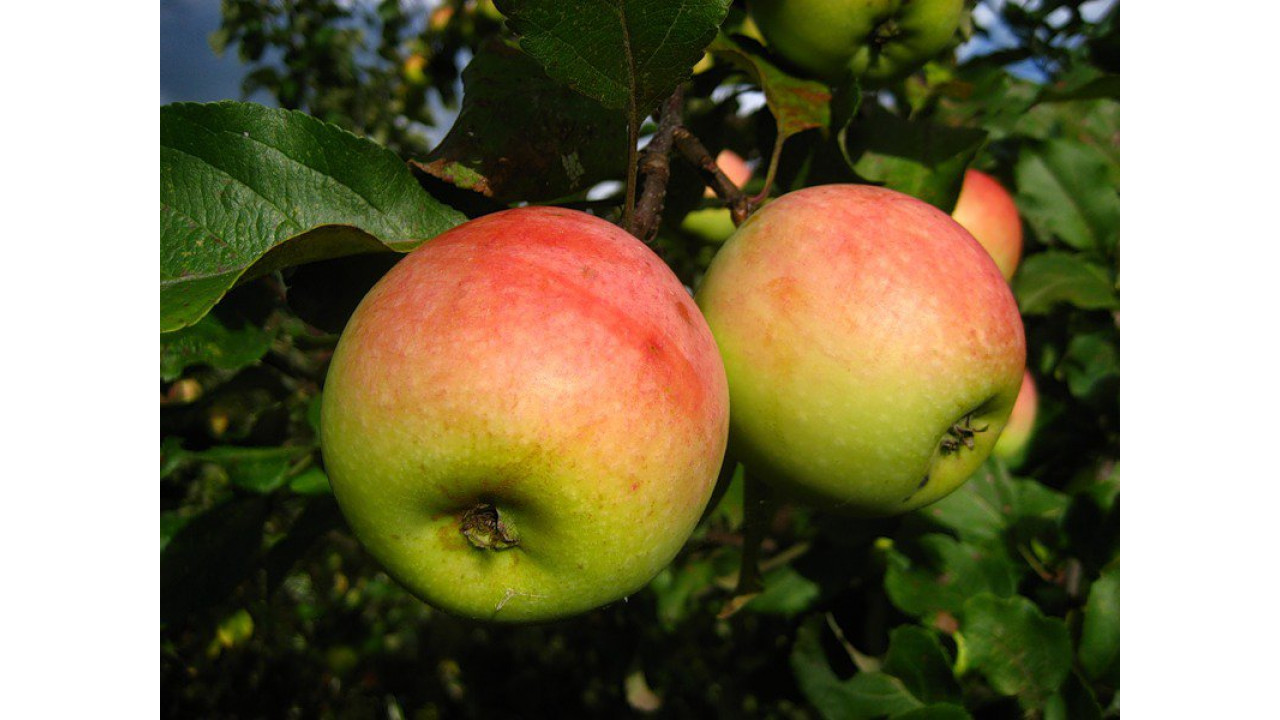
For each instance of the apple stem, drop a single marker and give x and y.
(485, 529)
(656, 166)
(759, 507)
(695, 152)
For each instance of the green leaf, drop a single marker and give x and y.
(258, 469)
(1089, 363)
(1048, 278)
(312, 481)
(786, 592)
(676, 587)
(1100, 635)
(213, 342)
(625, 53)
(944, 573)
(522, 136)
(992, 501)
(918, 158)
(796, 104)
(1070, 191)
(246, 189)
(1019, 650)
(865, 696)
(917, 658)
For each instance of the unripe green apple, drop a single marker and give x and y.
(524, 419)
(715, 224)
(988, 212)
(877, 41)
(1022, 421)
(873, 349)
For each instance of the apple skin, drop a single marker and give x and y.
(988, 212)
(713, 225)
(1017, 432)
(535, 376)
(877, 41)
(858, 325)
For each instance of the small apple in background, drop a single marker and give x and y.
(1017, 432)
(525, 417)
(988, 212)
(715, 224)
(874, 351)
(877, 41)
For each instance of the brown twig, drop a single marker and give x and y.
(695, 152)
(656, 167)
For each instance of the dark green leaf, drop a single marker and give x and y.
(917, 658)
(865, 696)
(1073, 701)
(943, 573)
(918, 158)
(676, 587)
(212, 342)
(1069, 190)
(320, 515)
(522, 136)
(797, 105)
(992, 501)
(245, 189)
(1100, 636)
(625, 53)
(1048, 278)
(937, 711)
(1019, 650)
(208, 557)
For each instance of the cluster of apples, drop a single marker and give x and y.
(525, 418)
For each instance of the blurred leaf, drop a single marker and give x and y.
(786, 592)
(213, 342)
(987, 97)
(944, 573)
(312, 481)
(320, 515)
(624, 53)
(1066, 190)
(1100, 636)
(522, 136)
(170, 523)
(918, 158)
(992, 501)
(258, 469)
(208, 557)
(797, 105)
(917, 658)
(1019, 650)
(937, 711)
(245, 189)
(1048, 278)
(1090, 361)
(676, 588)
(1073, 701)
(1092, 122)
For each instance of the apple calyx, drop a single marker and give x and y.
(960, 434)
(886, 31)
(485, 529)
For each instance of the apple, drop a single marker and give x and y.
(525, 417)
(873, 349)
(714, 224)
(877, 41)
(988, 212)
(1017, 432)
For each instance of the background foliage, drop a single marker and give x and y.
(1000, 601)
